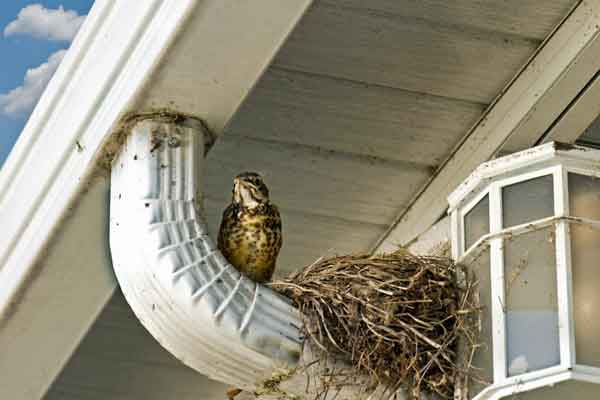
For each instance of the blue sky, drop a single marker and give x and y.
(33, 35)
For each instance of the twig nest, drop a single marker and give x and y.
(396, 318)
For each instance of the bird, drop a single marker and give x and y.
(250, 234)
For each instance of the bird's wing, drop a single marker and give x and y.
(274, 211)
(227, 220)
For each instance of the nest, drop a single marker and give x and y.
(398, 319)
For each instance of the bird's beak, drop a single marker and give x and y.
(237, 182)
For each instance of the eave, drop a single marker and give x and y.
(550, 99)
(51, 179)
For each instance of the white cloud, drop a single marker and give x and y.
(46, 23)
(42, 23)
(22, 99)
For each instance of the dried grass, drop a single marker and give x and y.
(397, 319)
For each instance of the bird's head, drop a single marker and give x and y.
(249, 190)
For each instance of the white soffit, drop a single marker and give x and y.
(103, 75)
(524, 111)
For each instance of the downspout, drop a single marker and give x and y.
(196, 304)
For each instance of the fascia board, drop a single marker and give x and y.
(101, 74)
(50, 295)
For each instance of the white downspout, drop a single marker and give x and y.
(179, 285)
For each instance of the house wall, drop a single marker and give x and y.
(119, 360)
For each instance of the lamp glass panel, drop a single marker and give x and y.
(527, 201)
(584, 196)
(532, 338)
(585, 256)
(483, 359)
(584, 201)
(477, 222)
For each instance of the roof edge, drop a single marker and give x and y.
(57, 150)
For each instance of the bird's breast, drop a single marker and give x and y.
(253, 243)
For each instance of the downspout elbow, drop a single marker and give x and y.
(196, 304)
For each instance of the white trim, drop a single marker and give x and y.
(518, 164)
(582, 112)
(529, 106)
(547, 377)
(456, 230)
(96, 81)
(581, 170)
(563, 270)
(533, 375)
(499, 391)
(561, 192)
(497, 284)
(508, 169)
(40, 185)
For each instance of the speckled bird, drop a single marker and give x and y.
(250, 232)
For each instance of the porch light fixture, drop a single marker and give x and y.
(528, 226)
